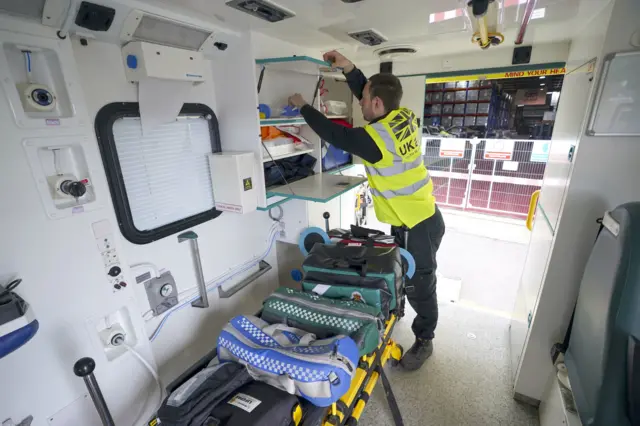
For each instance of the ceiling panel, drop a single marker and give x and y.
(325, 24)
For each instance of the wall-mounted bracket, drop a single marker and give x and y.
(264, 267)
(192, 237)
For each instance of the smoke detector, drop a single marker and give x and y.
(369, 37)
(393, 52)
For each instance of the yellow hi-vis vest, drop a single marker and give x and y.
(399, 182)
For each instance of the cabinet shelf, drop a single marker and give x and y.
(279, 121)
(287, 155)
(321, 187)
(299, 64)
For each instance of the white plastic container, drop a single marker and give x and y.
(280, 147)
(336, 107)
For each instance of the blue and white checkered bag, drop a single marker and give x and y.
(291, 359)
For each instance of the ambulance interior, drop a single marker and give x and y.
(144, 204)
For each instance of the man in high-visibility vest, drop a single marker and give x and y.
(399, 182)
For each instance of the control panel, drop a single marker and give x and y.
(112, 267)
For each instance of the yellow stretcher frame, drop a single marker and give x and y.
(348, 410)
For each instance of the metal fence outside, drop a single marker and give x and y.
(476, 183)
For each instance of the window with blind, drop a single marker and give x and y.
(159, 181)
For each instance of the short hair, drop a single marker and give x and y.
(388, 88)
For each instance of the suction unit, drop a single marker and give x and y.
(35, 97)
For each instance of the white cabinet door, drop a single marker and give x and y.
(569, 118)
(530, 283)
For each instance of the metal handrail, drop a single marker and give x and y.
(264, 267)
(533, 203)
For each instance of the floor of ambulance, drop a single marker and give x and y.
(467, 381)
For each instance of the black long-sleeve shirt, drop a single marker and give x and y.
(355, 140)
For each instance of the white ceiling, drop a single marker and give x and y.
(324, 24)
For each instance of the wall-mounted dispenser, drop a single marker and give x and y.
(61, 172)
(148, 60)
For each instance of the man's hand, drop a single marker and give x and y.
(338, 59)
(297, 100)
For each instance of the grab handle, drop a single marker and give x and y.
(84, 368)
(533, 203)
(264, 267)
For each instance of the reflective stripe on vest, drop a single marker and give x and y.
(407, 190)
(386, 137)
(396, 169)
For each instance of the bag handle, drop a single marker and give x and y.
(276, 330)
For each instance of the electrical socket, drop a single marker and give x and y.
(105, 243)
(110, 257)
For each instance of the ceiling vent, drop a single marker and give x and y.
(395, 52)
(262, 9)
(368, 37)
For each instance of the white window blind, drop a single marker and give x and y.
(166, 172)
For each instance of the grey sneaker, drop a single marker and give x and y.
(417, 355)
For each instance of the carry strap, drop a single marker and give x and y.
(559, 348)
(391, 399)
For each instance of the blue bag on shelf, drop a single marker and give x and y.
(291, 359)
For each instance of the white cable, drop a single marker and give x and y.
(219, 281)
(148, 265)
(149, 367)
(188, 293)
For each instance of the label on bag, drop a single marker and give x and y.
(245, 402)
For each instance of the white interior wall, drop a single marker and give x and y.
(225, 242)
(62, 269)
(604, 175)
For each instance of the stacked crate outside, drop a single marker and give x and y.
(467, 103)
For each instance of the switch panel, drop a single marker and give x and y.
(105, 242)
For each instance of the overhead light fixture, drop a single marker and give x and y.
(142, 26)
(541, 84)
(538, 13)
(542, 77)
(520, 106)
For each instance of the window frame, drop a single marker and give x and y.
(104, 122)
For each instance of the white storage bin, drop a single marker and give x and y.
(336, 107)
(281, 148)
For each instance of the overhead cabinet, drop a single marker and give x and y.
(285, 136)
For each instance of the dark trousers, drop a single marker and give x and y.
(424, 240)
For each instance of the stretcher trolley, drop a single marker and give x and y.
(337, 327)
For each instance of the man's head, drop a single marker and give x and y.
(382, 94)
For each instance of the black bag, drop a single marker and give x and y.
(256, 404)
(192, 403)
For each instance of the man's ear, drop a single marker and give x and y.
(378, 102)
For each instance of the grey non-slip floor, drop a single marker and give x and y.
(467, 381)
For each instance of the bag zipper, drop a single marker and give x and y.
(326, 309)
